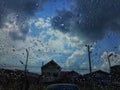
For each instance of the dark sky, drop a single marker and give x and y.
(21, 11)
(89, 18)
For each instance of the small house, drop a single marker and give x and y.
(50, 71)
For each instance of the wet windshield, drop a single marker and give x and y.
(45, 42)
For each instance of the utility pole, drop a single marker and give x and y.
(90, 67)
(108, 57)
(89, 57)
(26, 79)
(109, 63)
(26, 61)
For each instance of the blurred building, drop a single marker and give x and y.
(50, 71)
(115, 71)
(99, 78)
(97, 74)
(71, 76)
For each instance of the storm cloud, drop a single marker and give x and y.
(90, 19)
(19, 12)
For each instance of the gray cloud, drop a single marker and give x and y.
(89, 18)
(22, 11)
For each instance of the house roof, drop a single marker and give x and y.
(51, 63)
(63, 73)
(97, 72)
(116, 66)
(74, 72)
(115, 70)
(102, 72)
